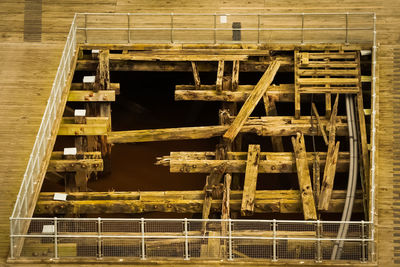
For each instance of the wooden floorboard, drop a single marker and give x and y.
(28, 69)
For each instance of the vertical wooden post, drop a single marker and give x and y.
(220, 76)
(296, 84)
(196, 75)
(250, 180)
(235, 75)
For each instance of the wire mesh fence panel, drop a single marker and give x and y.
(89, 227)
(252, 248)
(79, 247)
(164, 248)
(39, 247)
(296, 249)
(121, 247)
(120, 226)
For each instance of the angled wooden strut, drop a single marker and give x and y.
(331, 161)
(250, 180)
(252, 101)
(196, 75)
(304, 178)
(321, 127)
(220, 76)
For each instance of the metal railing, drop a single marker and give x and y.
(61, 238)
(256, 28)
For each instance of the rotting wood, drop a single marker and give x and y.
(266, 201)
(196, 75)
(270, 110)
(93, 126)
(220, 76)
(250, 180)
(251, 102)
(103, 72)
(177, 57)
(316, 177)
(73, 165)
(321, 127)
(331, 161)
(91, 96)
(235, 75)
(79, 86)
(304, 178)
(265, 126)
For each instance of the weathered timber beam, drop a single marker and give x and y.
(251, 102)
(270, 110)
(303, 174)
(320, 126)
(113, 86)
(203, 66)
(177, 57)
(74, 165)
(265, 126)
(235, 75)
(250, 180)
(220, 76)
(93, 126)
(266, 201)
(103, 71)
(58, 155)
(281, 93)
(91, 96)
(196, 75)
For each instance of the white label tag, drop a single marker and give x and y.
(89, 79)
(60, 196)
(70, 151)
(48, 229)
(80, 112)
(223, 19)
(95, 51)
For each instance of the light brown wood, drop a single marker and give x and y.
(196, 75)
(320, 126)
(251, 102)
(250, 180)
(303, 175)
(220, 76)
(91, 96)
(235, 75)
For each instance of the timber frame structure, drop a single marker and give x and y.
(326, 77)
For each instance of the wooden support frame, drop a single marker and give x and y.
(250, 180)
(91, 96)
(93, 126)
(320, 126)
(303, 173)
(235, 75)
(267, 201)
(196, 75)
(270, 110)
(75, 165)
(220, 76)
(251, 102)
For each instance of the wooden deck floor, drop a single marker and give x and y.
(28, 68)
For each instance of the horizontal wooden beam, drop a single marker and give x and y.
(74, 165)
(79, 86)
(177, 57)
(281, 93)
(93, 126)
(266, 201)
(58, 155)
(91, 96)
(265, 126)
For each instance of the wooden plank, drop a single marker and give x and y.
(333, 81)
(220, 76)
(177, 57)
(320, 126)
(323, 72)
(57, 155)
(328, 90)
(270, 110)
(235, 75)
(79, 86)
(91, 96)
(303, 175)
(74, 165)
(329, 176)
(252, 101)
(266, 201)
(96, 126)
(103, 72)
(196, 75)
(297, 98)
(331, 160)
(250, 180)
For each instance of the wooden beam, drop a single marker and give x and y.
(177, 57)
(264, 126)
(91, 96)
(79, 86)
(250, 180)
(93, 126)
(74, 165)
(321, 127)
(266, 201)
(103, 71)
(235, 75)
(280, 93)
(270, 110)
(58, 155)
(251, 102)
(196, 75)
(330, 166)
(303, 175)
(220, 76)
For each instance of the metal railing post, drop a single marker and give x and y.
(230, 239)
(274, 258)
(11, 239)
(55, 239)
(129, 28)
(172, 28)
(186, 240)
(215, 28)
(319, 241)
(86, 37)
(363, 258)
(143, 244)
(258, 35)
(302, 28)
(347, 28)
(99, 241)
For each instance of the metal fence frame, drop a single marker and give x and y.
(36, 161)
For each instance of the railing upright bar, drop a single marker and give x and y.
(186, 240)
(274, 258)
(363, 258)
(230, 239)
(143, 244)
(55, 239)
(11, 238)
(99, 239)
(319, 252)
